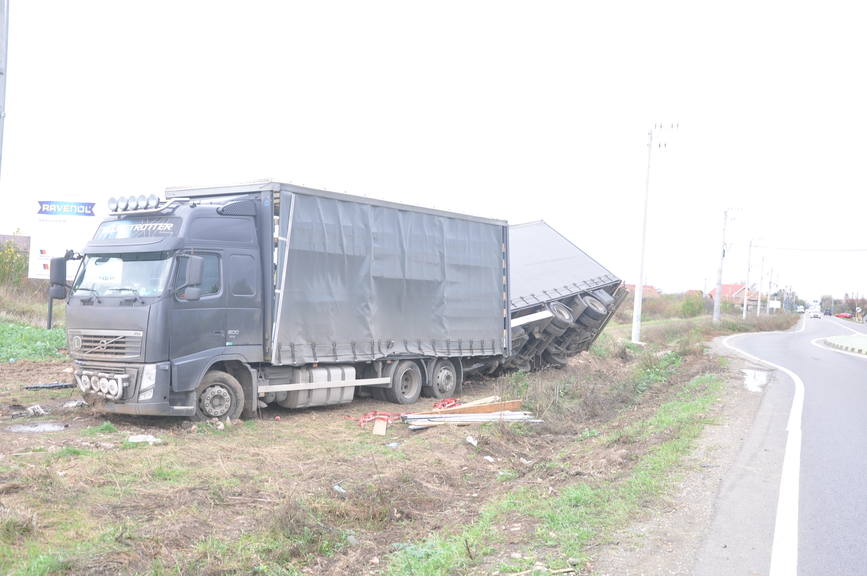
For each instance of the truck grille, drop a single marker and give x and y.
(105, 344)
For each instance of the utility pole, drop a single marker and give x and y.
(4, 42)
(718, 299)
(761, 281)
(639, 287)
(747, 285)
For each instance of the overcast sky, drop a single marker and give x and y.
(522, 111)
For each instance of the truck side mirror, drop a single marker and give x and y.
(192, 293)
(57, 292)
(57, 275)
(57, 271)
(195, 265)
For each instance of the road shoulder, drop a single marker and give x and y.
(668, 538)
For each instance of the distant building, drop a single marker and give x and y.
(649, 291)
(734, 294)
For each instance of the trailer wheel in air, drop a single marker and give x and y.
(563, 317)
(596, 310)
(444, 380)
(406, 383)
(604, 297)
(219, 395)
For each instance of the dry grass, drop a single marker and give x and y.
(27, 303)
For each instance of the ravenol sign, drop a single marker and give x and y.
(54, 208)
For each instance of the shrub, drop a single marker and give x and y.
(13, 264)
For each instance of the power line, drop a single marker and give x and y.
(800, 249)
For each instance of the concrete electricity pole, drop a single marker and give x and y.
(747, 285)
(717, 300)
(639, 286)
(761, 280)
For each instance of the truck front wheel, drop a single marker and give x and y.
(405, 383)
(219, 395)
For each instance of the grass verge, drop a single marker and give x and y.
(581, 512)
(24, 342)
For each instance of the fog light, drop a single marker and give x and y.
(85, 382)
(113, 388)
(103, 385)
(142, 202)
(81, 385)
(153, 201)
(112, 204)
(122, 203)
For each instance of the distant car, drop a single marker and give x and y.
(827, 312)
(843, 315)
(815, 314)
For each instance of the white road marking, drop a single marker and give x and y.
(784, 550)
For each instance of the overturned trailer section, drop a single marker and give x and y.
(560, 298)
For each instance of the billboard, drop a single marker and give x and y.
(60, 225)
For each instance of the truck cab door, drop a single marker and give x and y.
(199, 325)
(244, 300)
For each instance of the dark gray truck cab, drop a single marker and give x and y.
(219, 300)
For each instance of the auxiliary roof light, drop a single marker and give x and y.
(112, 204)
(153, 201)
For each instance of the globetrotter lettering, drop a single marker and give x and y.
(153, 227)
(66, 208)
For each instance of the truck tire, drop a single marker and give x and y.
(596, 310)
(406, 381)
(444, 380)
(563, 317)
(220, 396)
(604, 297)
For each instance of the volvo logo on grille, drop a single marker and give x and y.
(76, 342)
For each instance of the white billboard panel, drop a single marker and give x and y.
(59, 226)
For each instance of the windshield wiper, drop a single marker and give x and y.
(94, 293)
(136, 295)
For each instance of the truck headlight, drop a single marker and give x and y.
(148, 379)
(113, 388)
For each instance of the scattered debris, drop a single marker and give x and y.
(74, 404)
(339, 489)
(35, 428)
(50, 386)
(393, 444)
(36, 410)
(526, 462)
(472, 440)
(489, 409)
(490, 459)
(446, 403)
(142, 438)
(380, 426)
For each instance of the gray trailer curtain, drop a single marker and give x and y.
(362, 282)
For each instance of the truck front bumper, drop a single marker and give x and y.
(146, 389)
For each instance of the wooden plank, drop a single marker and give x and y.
(508, 405)
(380, 426)
(481, 401)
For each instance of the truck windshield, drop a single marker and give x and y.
(143, 274)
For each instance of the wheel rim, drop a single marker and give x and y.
(408, 382)
(445, 380)
(215, 402)
(595, 304)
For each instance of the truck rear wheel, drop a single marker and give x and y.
(406, 381)
(444, 380)
(220, 396)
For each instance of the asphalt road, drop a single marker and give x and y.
(802, 509)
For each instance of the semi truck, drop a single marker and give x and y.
(215, 302)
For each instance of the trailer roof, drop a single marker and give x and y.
(544, 265)
(269, 185)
